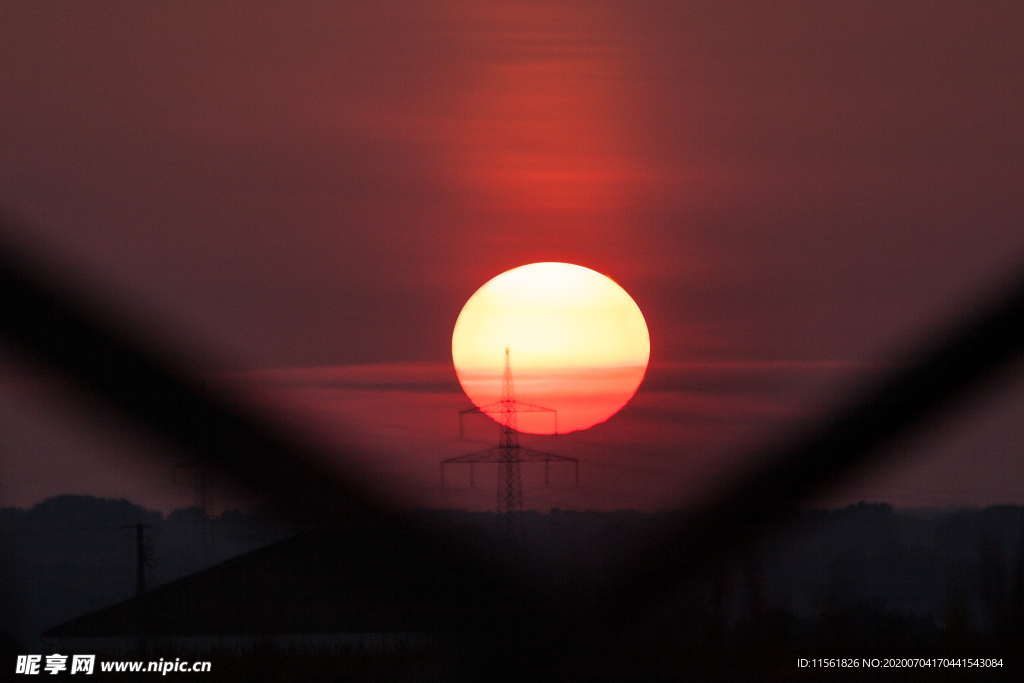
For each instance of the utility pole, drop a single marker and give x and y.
(143, 556)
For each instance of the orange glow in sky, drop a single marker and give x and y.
(578, 344)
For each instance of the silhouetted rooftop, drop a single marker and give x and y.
(318, 582)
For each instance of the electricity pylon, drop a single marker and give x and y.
(509, 454)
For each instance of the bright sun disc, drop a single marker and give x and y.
(577, 341)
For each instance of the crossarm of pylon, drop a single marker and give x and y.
(479, 409)
(532, 455)
(508, 455)
(486, 455)
(532, 408)
(499, 406)
(519, 406)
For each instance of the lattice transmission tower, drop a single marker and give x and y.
(508, 454)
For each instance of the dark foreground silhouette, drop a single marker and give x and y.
(258, 598)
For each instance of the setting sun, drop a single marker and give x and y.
(578, 344)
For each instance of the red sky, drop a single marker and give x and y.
(785, 188)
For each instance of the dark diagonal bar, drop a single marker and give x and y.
(117, 369)
(933, 378)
